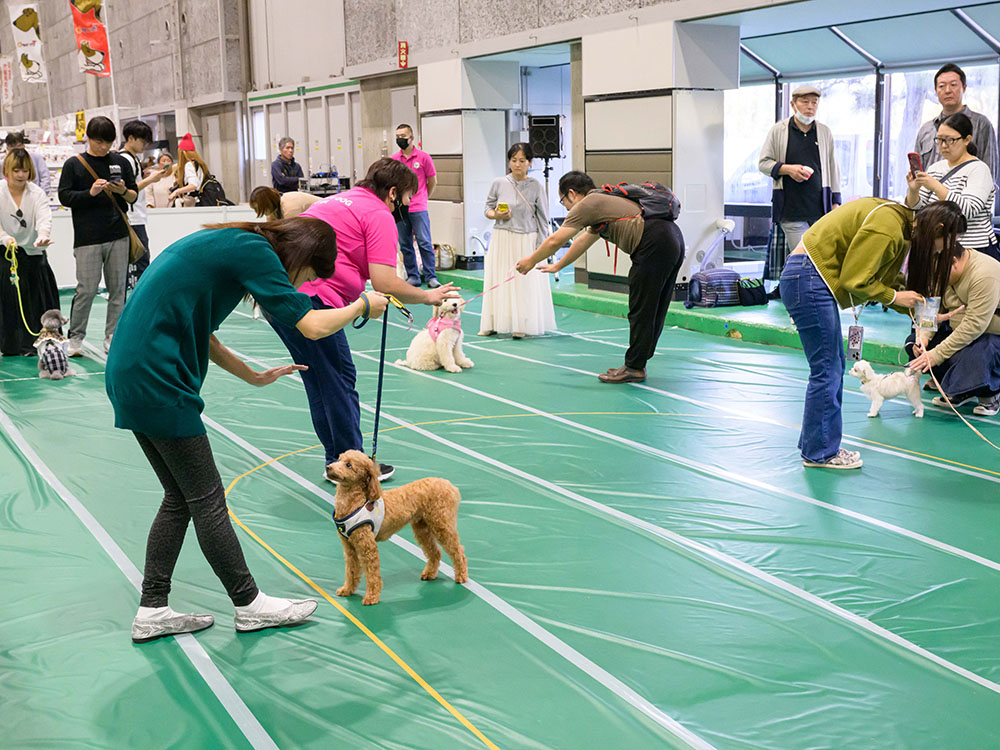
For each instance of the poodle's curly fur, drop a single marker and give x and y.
(426, 354)
(429, 505)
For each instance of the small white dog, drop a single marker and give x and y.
(440, 344)
(880, 387)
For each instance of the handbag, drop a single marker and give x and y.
(135, 247)
(752, 292)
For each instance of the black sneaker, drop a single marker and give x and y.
(385, 472)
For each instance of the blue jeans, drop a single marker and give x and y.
(329, 381)
(817, 318)
(417, 224)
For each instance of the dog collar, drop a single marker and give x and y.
(370, 514)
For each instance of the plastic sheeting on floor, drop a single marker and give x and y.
(653, 566)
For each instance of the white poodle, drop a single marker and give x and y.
(440, 344)
(880, 387)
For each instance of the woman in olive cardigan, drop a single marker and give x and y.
(847, 258)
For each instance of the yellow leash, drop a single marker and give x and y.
(10, 254)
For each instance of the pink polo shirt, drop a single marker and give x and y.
(421, 163)
(366, 233)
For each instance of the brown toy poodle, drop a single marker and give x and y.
(364, 515)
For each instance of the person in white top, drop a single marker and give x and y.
(25, 228)
(138, 135)
(190, 172)
(158, 195)
(962, 178)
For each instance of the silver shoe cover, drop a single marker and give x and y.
(147, 630)
(298, 610)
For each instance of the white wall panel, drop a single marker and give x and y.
(440, 86)
(634, 59)
(403, 100)
(341, 146)
(706, 56)
(484, 134)
(360, 168)
(316, 151)
(275, 129)
(442, 134)
(293, 41)
(698, 174)
(491, 84)
(628, 124)
(297, 128)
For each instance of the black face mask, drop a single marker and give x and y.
(403, 143)
(397, 211)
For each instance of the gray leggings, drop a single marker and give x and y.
(192, 490)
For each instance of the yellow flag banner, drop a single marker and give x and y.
(91, 38)
(28, 42)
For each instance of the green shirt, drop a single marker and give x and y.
(859, 250)
(159, 359)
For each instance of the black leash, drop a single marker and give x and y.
(381, 359)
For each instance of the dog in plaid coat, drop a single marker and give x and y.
(51, 345)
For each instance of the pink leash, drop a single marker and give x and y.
(511, 274)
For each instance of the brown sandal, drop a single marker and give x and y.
(622, 375)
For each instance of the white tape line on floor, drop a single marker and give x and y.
(678, 540)
(256, 735)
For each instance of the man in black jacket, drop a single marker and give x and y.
(285, 171)
(100, 231)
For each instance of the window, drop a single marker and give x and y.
(913, 102)
(749, 114)
(847, 107)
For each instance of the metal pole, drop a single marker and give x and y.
(879, 143)
(114, 96)
(48, 92)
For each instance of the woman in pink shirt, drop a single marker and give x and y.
(363, 218)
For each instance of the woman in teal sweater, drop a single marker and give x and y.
(157, 366)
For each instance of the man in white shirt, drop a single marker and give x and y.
(138, 135)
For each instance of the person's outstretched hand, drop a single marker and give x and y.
(269, 376)
(443, 292)
(548, 267)
(524, 265)
(907, 298)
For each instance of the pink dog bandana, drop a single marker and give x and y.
(436, 325)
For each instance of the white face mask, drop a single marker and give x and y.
(804, 119)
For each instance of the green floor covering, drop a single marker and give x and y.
(664, 537)
(885, 332)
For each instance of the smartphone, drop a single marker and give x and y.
(915, 165)
(503, 207)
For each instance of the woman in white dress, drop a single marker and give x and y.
(523, 305)
(25, 222)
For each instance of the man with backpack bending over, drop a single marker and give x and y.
(639, 220)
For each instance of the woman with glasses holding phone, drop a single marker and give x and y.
(25, 222)
(962, 178)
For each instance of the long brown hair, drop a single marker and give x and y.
(300, 243)
(182, 159)
(266, 201)
(929, 271)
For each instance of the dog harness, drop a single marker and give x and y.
(371, 514)
(436, 325)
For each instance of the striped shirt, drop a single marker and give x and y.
(972, 188)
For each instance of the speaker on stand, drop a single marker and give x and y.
(545, 139)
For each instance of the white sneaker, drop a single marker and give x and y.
(939, 401)
(145, 630)
(74, 348)
(843, 460)
(277, 613)
(988, 407)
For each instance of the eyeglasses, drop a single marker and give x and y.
(20, 217)
(562, 200)
(944, 140)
